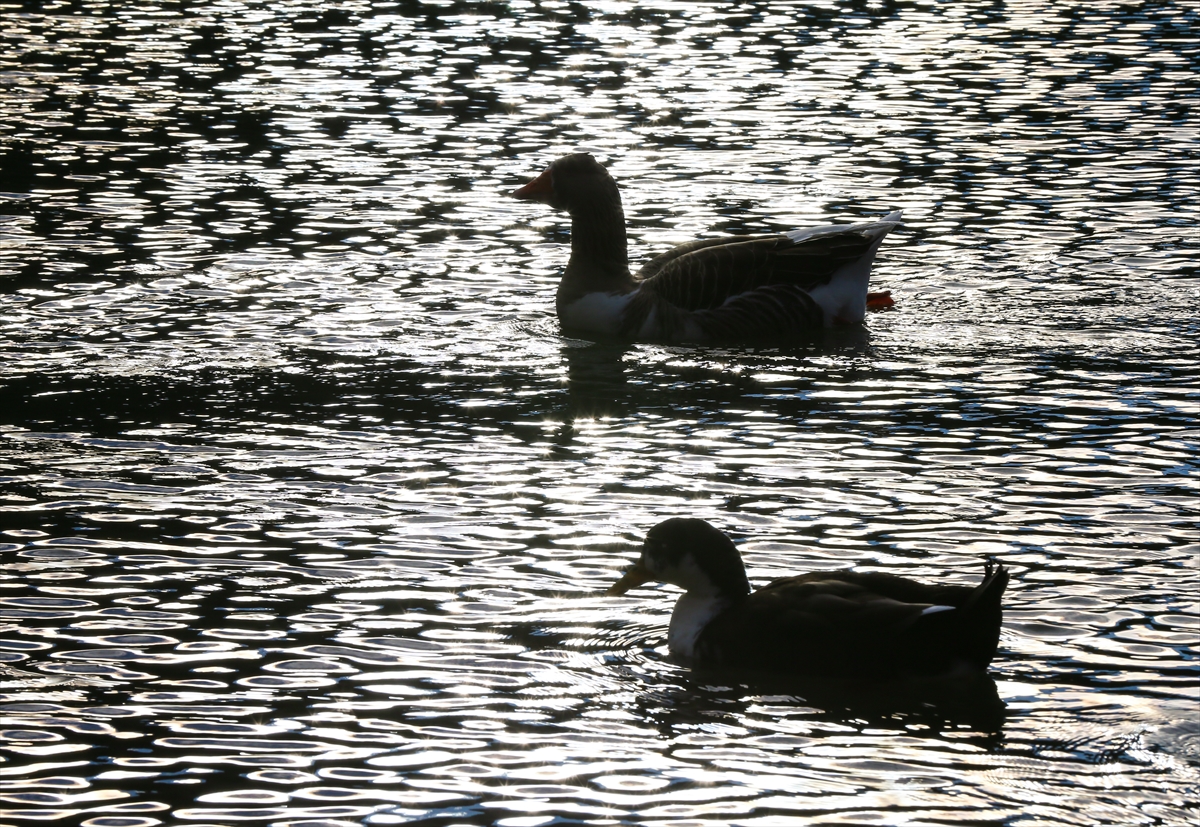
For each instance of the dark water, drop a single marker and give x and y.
(307, 505)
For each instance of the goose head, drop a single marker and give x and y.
(691, 554)
(573, 183)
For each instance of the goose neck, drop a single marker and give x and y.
(599, 252)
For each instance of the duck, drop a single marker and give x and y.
(838, 624)
(727, 290)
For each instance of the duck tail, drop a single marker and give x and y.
(981, 615)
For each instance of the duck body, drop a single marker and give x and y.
(833, 623)
(723, 290)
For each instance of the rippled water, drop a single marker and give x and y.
(307, 505)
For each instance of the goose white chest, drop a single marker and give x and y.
(600, 313)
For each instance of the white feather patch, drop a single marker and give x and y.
(932, 610)
(692, 613)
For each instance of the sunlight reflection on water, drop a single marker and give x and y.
(309, 507)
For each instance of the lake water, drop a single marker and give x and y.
(308, 506)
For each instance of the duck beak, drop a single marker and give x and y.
(539, 189)
(634, 577)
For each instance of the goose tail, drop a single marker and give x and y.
(844, 297)
(875, 229)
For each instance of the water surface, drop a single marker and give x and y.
(308, 505)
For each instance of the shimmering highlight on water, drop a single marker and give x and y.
(307, 506)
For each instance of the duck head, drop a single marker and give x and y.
(571, 182)
(691, 554)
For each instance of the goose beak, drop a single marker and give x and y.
(634, 577)
(539, 189)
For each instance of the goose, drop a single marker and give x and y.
(825, 623)
(720, 290)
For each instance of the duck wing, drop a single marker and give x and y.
(846, 623)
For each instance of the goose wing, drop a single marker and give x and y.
(703, 275)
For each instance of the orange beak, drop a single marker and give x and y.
(539, 189)
(634, 577)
